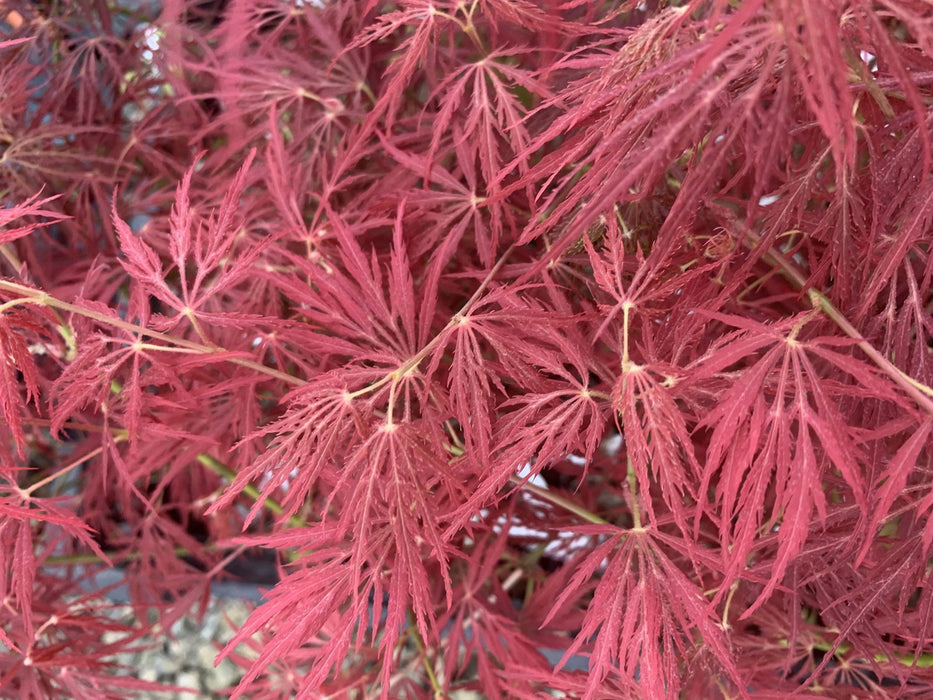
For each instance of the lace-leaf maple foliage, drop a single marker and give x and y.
(556, 348)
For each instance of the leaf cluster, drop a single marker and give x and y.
(551, 348)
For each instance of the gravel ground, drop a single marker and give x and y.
(186, 657)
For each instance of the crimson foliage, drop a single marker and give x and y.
(508, 326)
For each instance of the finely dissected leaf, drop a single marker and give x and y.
(17, 359)
(484, 348)
(304, 604)
(397, 486)
(528, 437)
(643, 615)
(30, 207)
(371, 301)
(788, 426)
(453, 205)
(656, 437)
(423, 23)
(116, 375)
(493, 125)
(47, 511)
(484, 624)
(207, 246)
(313, 433)
(401, 482)
(919, 216)
(894, 478)
(628, 99)
(390, 484)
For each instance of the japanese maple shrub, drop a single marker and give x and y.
(516, 331)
